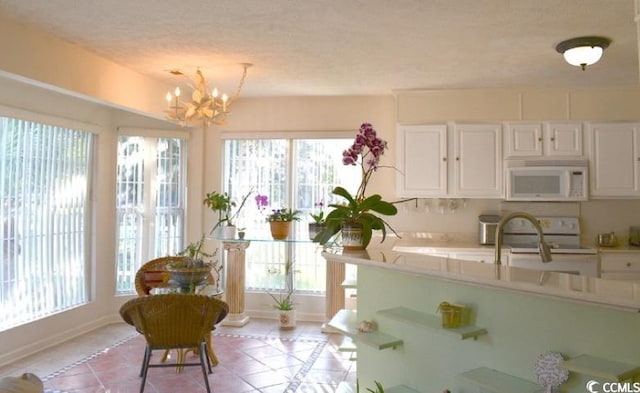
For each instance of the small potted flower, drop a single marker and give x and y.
(318, 224)
(279, 220)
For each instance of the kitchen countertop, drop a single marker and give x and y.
(619, 248)
(623, 295)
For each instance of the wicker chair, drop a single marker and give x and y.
(153, 274)
(174, 321)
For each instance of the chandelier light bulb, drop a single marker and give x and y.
(177, 92)
(169, 97)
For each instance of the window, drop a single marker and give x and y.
(150, 202)
(44, 183)
(293, 173)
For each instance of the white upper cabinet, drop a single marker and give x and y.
(543, 139)
(478, 161)
(421, 160)
(614, 159)
(426, 170)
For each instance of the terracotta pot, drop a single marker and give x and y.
(280, 229)
(352, 237)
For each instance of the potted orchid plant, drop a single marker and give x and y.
(359, 215)
(279, 220)
(318, 224)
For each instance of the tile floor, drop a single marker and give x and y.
(256, 358)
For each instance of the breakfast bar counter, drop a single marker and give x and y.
(514, 319)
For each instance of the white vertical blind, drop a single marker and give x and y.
(44, 183)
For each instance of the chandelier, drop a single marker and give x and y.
(206, 106)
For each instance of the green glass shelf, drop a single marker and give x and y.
(601, 368)
(344, 387)
(418, 318)
(346, 321)
(498, 382)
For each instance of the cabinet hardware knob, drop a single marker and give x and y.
(553, 139)
(539, 139)
(457, 158)
(628, 264)
(444, 158)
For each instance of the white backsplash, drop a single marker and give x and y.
(597, 216)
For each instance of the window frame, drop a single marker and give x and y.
(291, 166)
(147, 240)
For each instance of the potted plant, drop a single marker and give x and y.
(379, 388)
(318, 224)
(223, 205)
(279, 219)
(283, 302)
(355, 218)
(192, 270)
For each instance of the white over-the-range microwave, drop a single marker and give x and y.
(546, 180)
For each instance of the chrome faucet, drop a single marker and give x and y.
(543, 247)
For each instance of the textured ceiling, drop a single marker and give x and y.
(346, 47)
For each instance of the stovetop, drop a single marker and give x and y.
(562, 234)
(555, 249)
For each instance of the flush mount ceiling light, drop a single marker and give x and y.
(583, 51)
(206, 105)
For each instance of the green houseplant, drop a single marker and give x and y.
(359, 216)
(279, 219)
(283, 301)
(379, 388)
(222, 204)
(317, 225)
(193, 269)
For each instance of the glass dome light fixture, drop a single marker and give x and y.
(583, 51)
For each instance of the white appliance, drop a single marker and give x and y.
(544, 180)
(562, 234)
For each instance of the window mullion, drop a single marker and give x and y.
(149, 197)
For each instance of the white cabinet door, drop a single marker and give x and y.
(563, 139)
(421, 160)
(523, 139)
(614, 159)
(537, 139)
(478, 161)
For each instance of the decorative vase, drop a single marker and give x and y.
(315, 228)
(280, 229)
(187, 278)
(225, 232)
(287, 319)
(352, 237)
